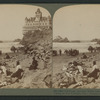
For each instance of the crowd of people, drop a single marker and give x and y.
(7, 75)
(76, 71)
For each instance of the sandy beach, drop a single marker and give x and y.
(31, 78)
(59, 61)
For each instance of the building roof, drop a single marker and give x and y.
(32, 19)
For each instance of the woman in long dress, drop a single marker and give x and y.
(18, 72)
(94, 72)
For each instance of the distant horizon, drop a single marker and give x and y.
(74, 39)
(77, 22)
(10, 40)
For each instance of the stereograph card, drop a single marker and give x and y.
(50, 49)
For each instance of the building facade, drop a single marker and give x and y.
(37, 23)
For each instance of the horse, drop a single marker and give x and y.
(73, 52)
(54, 52)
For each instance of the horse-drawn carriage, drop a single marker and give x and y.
(72, 52)
(93, 49)
(54, 53)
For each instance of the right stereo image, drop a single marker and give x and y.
(76, 47)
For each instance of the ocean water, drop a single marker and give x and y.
(82, 46)
(5, 46)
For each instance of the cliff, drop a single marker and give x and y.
(36, 36)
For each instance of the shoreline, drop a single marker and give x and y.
(77, 42)
(82, 46)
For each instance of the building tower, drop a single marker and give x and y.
(38, 15)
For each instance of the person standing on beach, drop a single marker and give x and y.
(60, 52)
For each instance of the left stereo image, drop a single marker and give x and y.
(25, 46)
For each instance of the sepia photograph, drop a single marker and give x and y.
(25, 46)
(76, 47)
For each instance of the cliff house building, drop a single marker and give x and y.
(37, 23)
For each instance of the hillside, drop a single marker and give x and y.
(39, 42)
(36, 36)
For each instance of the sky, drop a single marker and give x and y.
(77, 22)
(12, 19)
